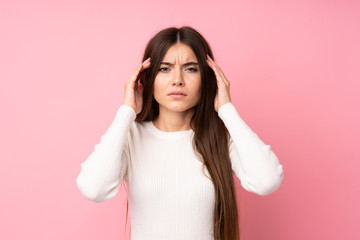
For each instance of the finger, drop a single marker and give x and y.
(134, 75)
(221, 73)
(139, 68)
(223, 76)
(148, 59)
(142, 66)
(146, 65)
(218, 76)
(212, 63)
(216, 66)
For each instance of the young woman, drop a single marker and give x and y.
(176, 141)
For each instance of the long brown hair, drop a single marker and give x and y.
(211, 139)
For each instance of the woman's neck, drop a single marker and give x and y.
(170, 121)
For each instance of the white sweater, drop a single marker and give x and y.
(169, 196)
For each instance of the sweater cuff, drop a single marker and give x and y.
(127, 112)
(225, 106)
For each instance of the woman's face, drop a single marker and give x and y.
(178, 81)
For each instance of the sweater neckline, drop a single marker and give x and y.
(160, 133)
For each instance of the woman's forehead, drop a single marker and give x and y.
(179, 54)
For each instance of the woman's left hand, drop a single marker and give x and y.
(223, 89)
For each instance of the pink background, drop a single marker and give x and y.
(294, 73)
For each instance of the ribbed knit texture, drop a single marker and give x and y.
(169, 196)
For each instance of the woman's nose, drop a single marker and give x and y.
(178, 79)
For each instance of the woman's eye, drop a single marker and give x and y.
(192, 69)
(162, 69)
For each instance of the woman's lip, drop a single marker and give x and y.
(177, 95)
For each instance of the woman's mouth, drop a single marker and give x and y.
(177, 94)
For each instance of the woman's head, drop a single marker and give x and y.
(179, 46)
(178, 82)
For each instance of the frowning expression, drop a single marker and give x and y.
(178, 81)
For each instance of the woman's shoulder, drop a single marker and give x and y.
(138, 128)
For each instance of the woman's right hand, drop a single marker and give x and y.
(133, 95)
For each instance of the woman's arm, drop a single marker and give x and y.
(102, 172)
(106, 166)
(253, 162)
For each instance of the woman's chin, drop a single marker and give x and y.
(177, 107)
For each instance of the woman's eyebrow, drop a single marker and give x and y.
(185, 64)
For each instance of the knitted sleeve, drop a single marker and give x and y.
(252, 161)
(104, 169)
